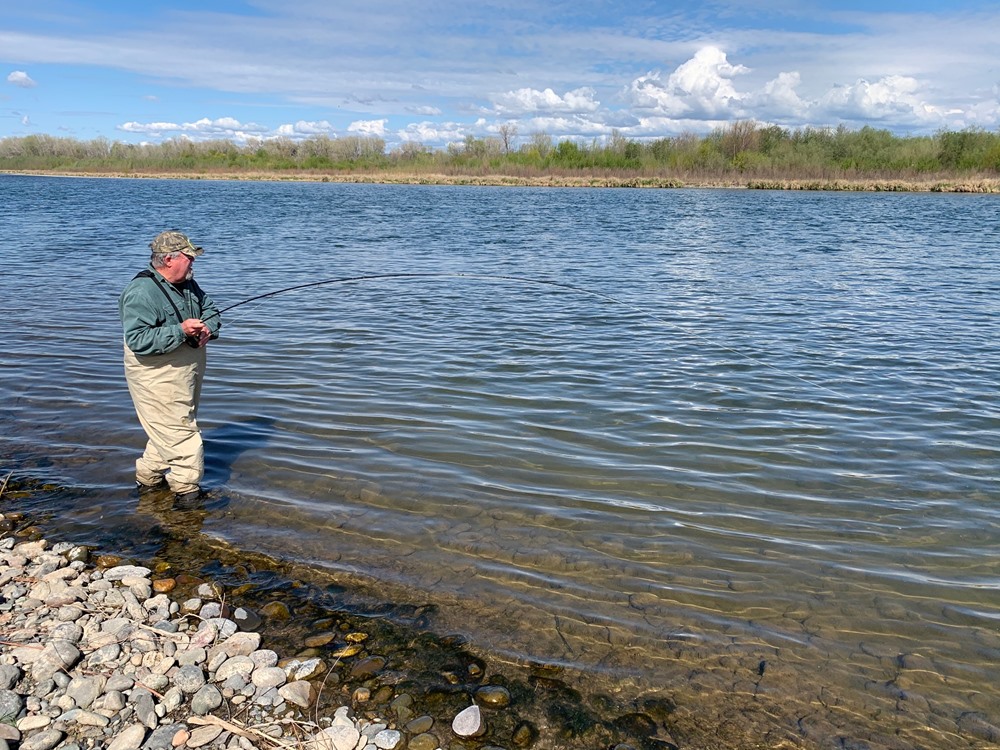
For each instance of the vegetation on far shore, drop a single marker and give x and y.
(742, 154)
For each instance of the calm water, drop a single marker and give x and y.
(751, 459)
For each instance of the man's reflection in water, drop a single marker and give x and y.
(177, 517)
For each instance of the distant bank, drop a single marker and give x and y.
(929, 185)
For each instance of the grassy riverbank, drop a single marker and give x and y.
(936, 184)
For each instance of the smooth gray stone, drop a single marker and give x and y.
(162, 738)
(69, 632)
(61, 679)
(130, 739)
(84, 690)
(246, 619)
(120, 682)
(11, 704)
(145, 711)
(9, 676)
(189, 678)
(206, 700)
(45, 740)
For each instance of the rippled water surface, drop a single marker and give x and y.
(745, 445)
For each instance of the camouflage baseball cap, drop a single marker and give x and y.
(173, 241)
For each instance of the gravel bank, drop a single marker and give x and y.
(97, 657)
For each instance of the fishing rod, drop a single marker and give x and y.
(524, 280)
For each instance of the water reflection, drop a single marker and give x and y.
(174, 518)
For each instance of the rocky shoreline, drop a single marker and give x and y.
(99, 652)
(102, 657)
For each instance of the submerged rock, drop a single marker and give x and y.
(468, 722)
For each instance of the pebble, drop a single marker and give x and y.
(387, 739)
(129, 739)
(300, 693)
(31, 723)
(468, 722)
(164, 585)
(343, 737)
(206, 700)
(276, 611)
(246, 619)
(269, 677)
(424, 741)
(203, 735)
(494, 696)
(44, 740)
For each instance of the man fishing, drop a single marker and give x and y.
(168, 320)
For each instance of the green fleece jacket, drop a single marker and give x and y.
(151, 322)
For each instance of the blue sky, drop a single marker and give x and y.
(435, 72)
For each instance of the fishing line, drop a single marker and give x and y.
(540, 282)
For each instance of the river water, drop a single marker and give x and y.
(735, 446)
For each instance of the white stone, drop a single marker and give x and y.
(126, 571)
(241, 644)
(337, 737)
(468, 722)
(299, 692)
(30, 723)
(206, 635)
(268, 677)
(236, 665)
(387, 739)
(305, 669)
(91, 719)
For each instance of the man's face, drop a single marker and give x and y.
(180, 267)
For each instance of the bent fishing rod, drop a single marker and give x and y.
(524, 280)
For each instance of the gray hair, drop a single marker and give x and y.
(158, 260)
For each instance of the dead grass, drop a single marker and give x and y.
(931, 185)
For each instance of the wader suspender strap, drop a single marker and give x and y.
(147, 274)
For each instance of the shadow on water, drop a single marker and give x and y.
(227, 442)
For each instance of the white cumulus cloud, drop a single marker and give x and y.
(432, 132)
(779, 98)
(22, 79)
(368, 127)
(895, 97)
(700, 86)
(529, 101)
(304, 128)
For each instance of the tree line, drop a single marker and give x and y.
(744, 149)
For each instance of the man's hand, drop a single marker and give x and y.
(197, 330)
